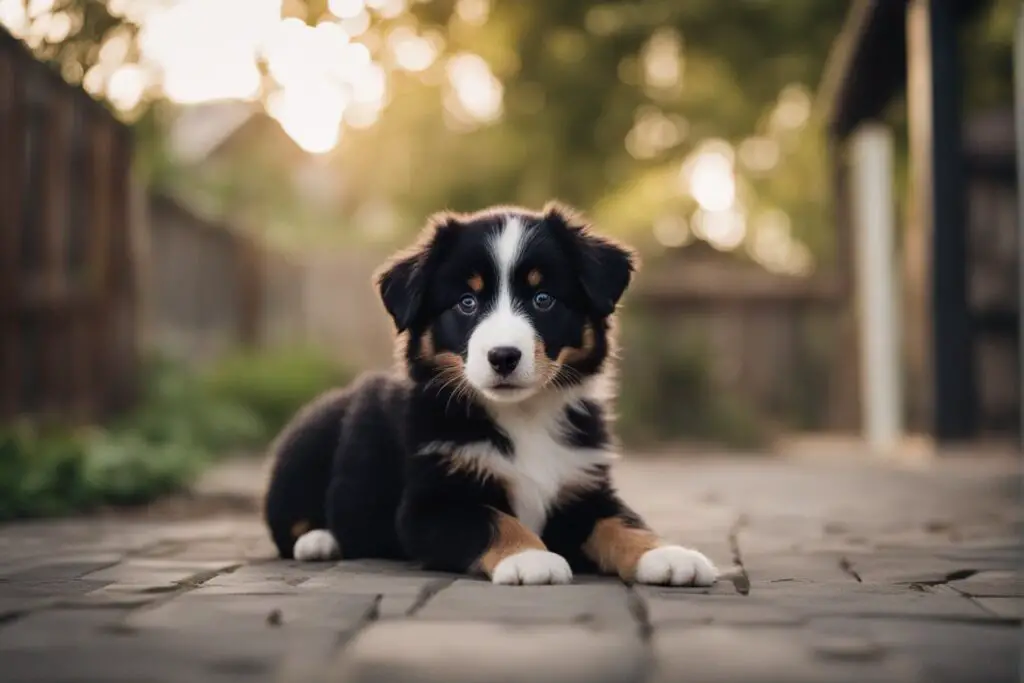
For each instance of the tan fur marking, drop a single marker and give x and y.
(545, 367)
(300, 528)
(534, 277)
(476, 283)
(427, 345)
(449, 360)
(510, 537)
(571, 354)
(617, 548)
(445, 359)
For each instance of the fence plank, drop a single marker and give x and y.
(68, 348)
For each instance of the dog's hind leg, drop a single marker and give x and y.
(295, 501)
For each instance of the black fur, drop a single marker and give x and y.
(361, 461)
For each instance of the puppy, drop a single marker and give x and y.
(490, 452)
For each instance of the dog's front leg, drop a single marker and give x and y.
(474, 538)
(618, 541)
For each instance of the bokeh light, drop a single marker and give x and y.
(709, 177)
(723, 229)
(477, 93)
(671, 230)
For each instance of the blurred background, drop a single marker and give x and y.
(194, 194)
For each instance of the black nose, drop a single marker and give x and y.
(504, 359)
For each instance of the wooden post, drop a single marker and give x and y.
(11, 178)
(938, 319)
(844, 407)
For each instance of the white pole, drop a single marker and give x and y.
(871, 148)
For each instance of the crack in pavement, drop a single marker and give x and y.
(847, 567)
(738, 575)
(426, 593)
(645, 630)
(955, 575)
(371, 615)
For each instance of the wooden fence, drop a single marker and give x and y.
(68, 343)
(770, 341)
(210, 288)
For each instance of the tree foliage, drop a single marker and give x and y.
(603, 102)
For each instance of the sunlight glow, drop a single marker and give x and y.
(663, 59)
(13, 16)
(774, 247)
(388, 9)
(411, 52)
(218, 59)
(473, 12)
(653, 133)
(126, 86)
(310, 114)
(793, 109)
(320, 77)
(711, 180)
(345, 9)
(724, 230)
(478, 94)
(672, 231)
(759, 154)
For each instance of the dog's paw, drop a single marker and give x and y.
(532, 567)
(673, 565)
(315, 546)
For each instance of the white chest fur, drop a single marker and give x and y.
(541, 467)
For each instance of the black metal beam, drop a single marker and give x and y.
(934, 102)
(1018, 78)
(866, 68)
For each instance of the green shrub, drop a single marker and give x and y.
(273, 385)
(177, 408)
(183, 421)
(46, 471)
(126, 468)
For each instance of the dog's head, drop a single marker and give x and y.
(506, 302)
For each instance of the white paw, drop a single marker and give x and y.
(673, 565)
(316, 545)
(532, 567)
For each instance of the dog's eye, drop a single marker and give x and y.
(543, 301)
(467, 304)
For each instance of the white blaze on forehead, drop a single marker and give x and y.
(506, 247)
(505, 325)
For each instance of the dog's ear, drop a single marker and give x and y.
(402, 282)
(604, 267)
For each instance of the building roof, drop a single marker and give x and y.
(867, 66)
(199, 130)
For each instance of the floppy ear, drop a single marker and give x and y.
(402, 283)
(605, 267)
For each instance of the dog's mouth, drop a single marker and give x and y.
(504, 391)
(503, 387)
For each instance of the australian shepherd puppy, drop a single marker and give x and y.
(489, 453)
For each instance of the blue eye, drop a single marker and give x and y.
(467, 304)
(543, 301)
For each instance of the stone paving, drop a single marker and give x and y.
(858, 572)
